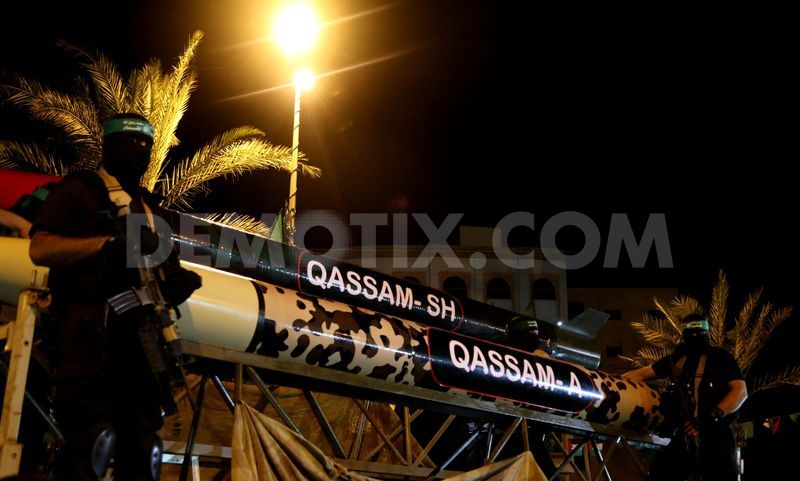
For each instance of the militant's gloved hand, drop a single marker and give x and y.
(179, 284)
(716, 415)
(691, 428)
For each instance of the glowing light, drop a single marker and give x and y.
(559, 323)
(304, 79)
(296, 28)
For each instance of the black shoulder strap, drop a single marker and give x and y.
(698, 376)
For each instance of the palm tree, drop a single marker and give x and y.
(743, 335)
(162, 98)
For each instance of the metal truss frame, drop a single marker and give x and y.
(413, 401)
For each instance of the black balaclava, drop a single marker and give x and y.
(695, 334)
(127, 141)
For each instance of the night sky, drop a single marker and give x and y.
(487, 108)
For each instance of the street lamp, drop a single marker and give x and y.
(296, 29)
(303, 79)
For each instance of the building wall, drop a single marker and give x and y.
(437, 271)
(628, 305)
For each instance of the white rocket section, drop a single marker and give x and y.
(16, 268)
(224, 312)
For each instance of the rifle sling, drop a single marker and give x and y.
(698, 377)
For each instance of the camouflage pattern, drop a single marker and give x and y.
(329, 334)
(237, 313)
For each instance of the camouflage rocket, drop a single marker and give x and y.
(279, 264)
(246, 315)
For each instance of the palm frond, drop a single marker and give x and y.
(183, 68)
(776, 319)
(656, 331)
(177, 89)
(750, 306)
(244, 223)
(743, 321)
(790, 375)
(193, 165)
(8, 164)
(749, 334)
(232, 153)
(647, 355)
(682, 306)
(173, 107)
(106, 79)
(718, 311)
(75, 117)
(754, 338)
(16, 154)
(81, 87)
(667, 313)
(145, 89)
(309, 170)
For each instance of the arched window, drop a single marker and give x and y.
(498, 288)
(543, 290)
(455, 286)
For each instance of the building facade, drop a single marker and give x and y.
(476, 271)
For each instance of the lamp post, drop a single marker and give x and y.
(303, 79)
(296, 29)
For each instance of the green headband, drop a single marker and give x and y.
(140, 126)
(699, 324)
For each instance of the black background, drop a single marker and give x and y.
(491, 107)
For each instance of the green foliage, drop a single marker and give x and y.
(744, 336)
(162, 97)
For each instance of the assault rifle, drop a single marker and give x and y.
(682, 390)
(157, 330)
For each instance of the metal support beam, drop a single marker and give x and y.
(391, 471)
(503, 441)
(434, 439)
(45, 417)
(187, 455)
(603, 462)
(489, 439)
(407, 436)
(587, 465)
(342, 382)
(380, 432)
(377, 449)
(568, 459)
(452, 457)
(238, 381)
(327, 430)
(224, 393)
(526, 444)
(271, 399)
(262, 403)
(355, 449)
(628, 447)
(185, 393)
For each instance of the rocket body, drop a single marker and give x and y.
(230, 250)
(301, 270)
(246, 315)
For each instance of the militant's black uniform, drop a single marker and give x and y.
(102, 377)
(717, 444)
(107, 397)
